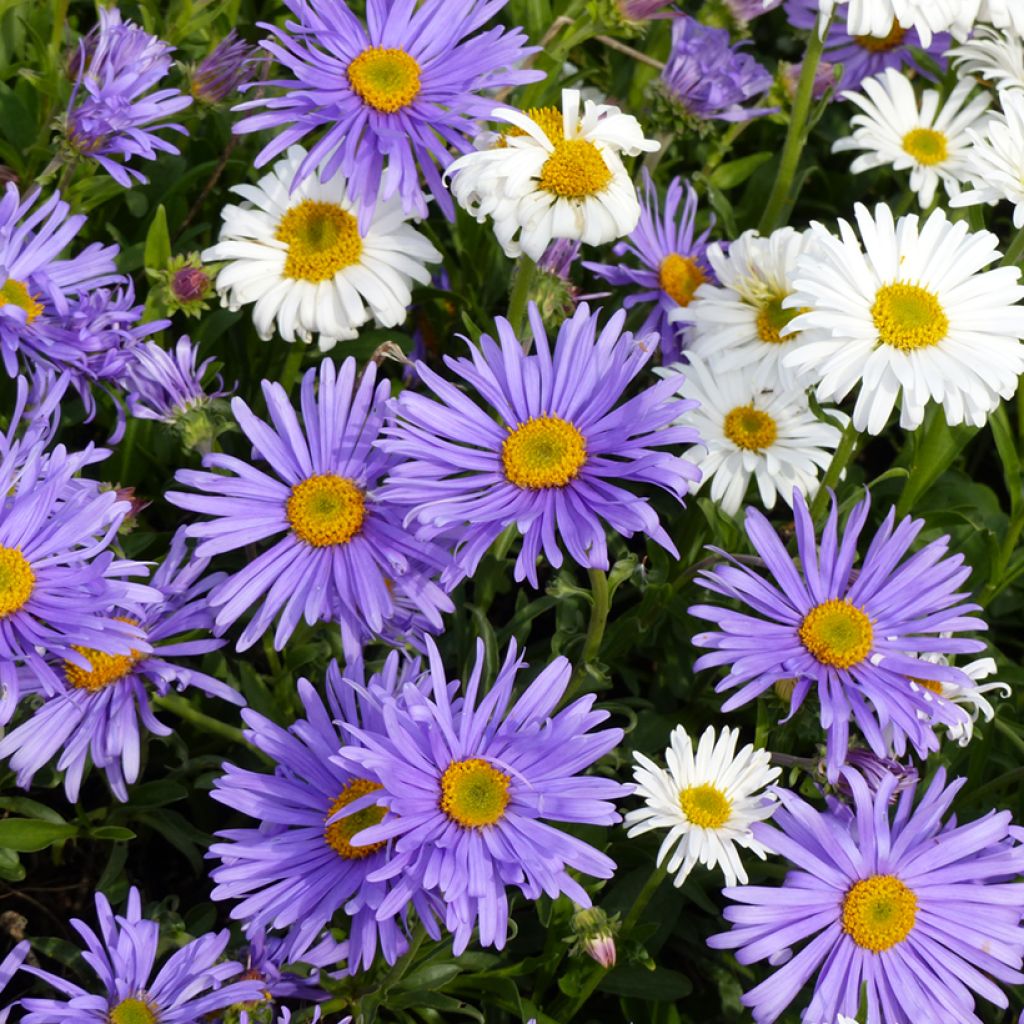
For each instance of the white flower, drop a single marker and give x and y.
(995, 163)
(930, 141)
(748, 431)
(971, 699)
(876, 17)
(1003, 14)
(707, 802)
(912, 315)
(305, 261)
(994, 56)
(738, 322)
(554, 175)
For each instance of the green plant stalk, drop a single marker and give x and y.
(181, 707)
(840, 460)
(1015, 253)
(292, 365)
(1006, 550)
(775, 212)
(599, 609)
(521, 282)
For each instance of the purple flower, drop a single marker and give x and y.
(552, 463)
(401, 91)
(876, 771)
(227, 68)
(103, 708)
(299, 868)
(745, 11)
(345, 554)
(673, 260)
(910, 912)
(845, 632)
(709, 77)
(122, 955)
(470, 783)
(647, 10)
(165, 386)
(113, 116)
(10, 966)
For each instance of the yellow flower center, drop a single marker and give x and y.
(322, 239)
(549, 119)
(339, 833)
(750, 428)
(543, 452)
(706, 806)
(385, 79)
(16, 581)
(679, 277)
(929, 684)
(133, 1011)
(325, 510)
(473, 793)
(837, 633)
(909, 317)
(926, 146)
(105, 668)
(882, 44)
(879, 912)
(772, 320)
(16, 293)
(575, 170)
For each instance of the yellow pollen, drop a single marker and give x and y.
(680, 276)
(549, 119)
(322, 239)
(385, 79)
(575, 170)
(926, 146)
(132, 1011)
(837, 633)
(105, 668)
(473, 793)
(706, 806)
(908, 317)
(772, 320)
(339, 833)
(928, 684)
(543, 452)
(16, 293)
(882, 44)
(750, 428)
(17, 581)
(325, 510)
(879, 912)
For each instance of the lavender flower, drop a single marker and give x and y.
(227, 68)
(639, 11)
(875, 771)
(10, 966)
(743, 12)
(168, 387)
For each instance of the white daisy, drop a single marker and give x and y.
(554, 175)
(738, 322)
(995, 163)
(875, 17)
(1003, 14)
(912, 315)
(970, 698)
(993, 56)
(930, 141)
(707, 802)
(748, 431)
(305, 261)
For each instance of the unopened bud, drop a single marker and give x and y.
(595, 935)
(784, 689)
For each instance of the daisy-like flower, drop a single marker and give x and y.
(396, 94)
(555, 462)
(471, 784)
(114, 114)
(739, 322)
(345, 556)
(915, 914)
(672, 256)
(968, 693)
(8, 968)
(192, 983)
(747, 431)
(1007, 14)
(931, 141)
(167, 386)
(296, 250)
(876, 17)
(993, 56)
(224, 70)
(842, 632)
(554, 175)
(911, 316)
(103, 708)
(707, 800)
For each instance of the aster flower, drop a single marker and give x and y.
(931, 141)
(709, 77)
(673, 260)
(8, 968)
(190, 984)
(102, 710)
(915, 914)
(707, 801)
(344, 555)
(912, 316)
(296, 250)
(968, 693)
(749, 432)
(554, 175)
(301, 868)
(636, 12)
(555, 461)
(842, 632)
(997, 57)
(470, 784)
(114, 115)
(398, 93)
(225, 69)
(1003, 14)
(743, 12)
(877, 771)
(876, 17)
(552, 288)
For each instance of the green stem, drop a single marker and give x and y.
(601, 598)
(403, 964)
(776, 211)
(292, 365)
(1006, 550)
(840, 460)
(521, 281)
(60, 16)
(1015, 254)
(181, 707)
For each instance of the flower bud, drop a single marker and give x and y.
(595, 935)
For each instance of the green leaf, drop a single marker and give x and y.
(27, 835)
(659, 986)
(158, 242)
(31, 809)
(735, 172)
(1008, 455)
(113, 833)
(11, 868)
